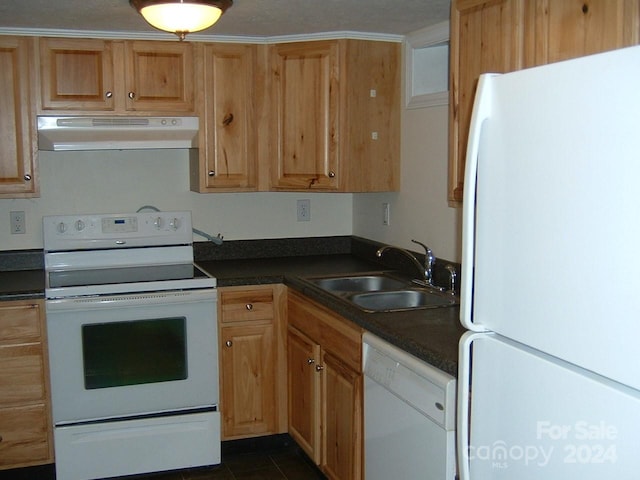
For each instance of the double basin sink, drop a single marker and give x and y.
(384, 292)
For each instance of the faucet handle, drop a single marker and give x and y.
(452, 278)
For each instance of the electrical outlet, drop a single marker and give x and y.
(304, 210)
(386, 220)
(18, 222)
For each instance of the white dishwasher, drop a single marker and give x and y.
(409, 411)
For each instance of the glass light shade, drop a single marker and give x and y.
(181, 18)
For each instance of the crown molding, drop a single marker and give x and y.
(195, 37)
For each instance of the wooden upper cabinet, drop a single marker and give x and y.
(507, 35)
(562, 29)
(18, 176)
(336, 116)
(227, 158)
(305, 110)
(486, 36)
(159, 76)
(113, 77)
(76, 75)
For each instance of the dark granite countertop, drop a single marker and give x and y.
(431, 335)
(21, 285)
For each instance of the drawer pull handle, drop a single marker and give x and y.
(439, 406)
(319, 368)
(249, 306)
(311, 361)
(228, 343)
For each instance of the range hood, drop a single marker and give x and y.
(116, 133)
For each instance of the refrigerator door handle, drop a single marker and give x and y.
(464, 399)
(481, 112)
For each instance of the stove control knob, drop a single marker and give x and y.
(158, 222)
(80, 225)
(62, 227)
(175, 223)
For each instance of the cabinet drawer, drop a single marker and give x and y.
(23, 433)
(21, 374)
(336, 335)
(19, 323)
(246, 305)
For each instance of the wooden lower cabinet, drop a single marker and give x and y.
(25, 426)
(251, 344)
(325, 387)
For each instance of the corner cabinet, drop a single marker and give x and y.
(103, 76)
(506, 35)
(227, 158)
(335, 111)
(325, 387)
(18, 174)
(25, 421)
(252, 364)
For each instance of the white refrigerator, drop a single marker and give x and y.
(549, 371)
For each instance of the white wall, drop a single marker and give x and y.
(123, 181)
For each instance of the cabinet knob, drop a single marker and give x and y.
(311, 361)
(249, 306)
(211, 173)
(319, 368)
(132, 95)
(27, 177)
(109, 94)
(332, 174)
(229, 343)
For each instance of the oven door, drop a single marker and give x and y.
(128, 355)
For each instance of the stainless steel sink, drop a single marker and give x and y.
(360, 283)
(402, 300)
(382, 292)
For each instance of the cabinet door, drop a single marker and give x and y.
(248, 380)
(486, 36)
(24, 436)
(159, 76)
(303, 356)
(305, 115)
(17, 139)
(25, 428)
(77, 75)
(230, 118)
(341, 420)
(562, 29)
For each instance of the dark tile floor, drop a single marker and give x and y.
(272, 458)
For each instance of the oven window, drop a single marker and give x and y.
(136, 352)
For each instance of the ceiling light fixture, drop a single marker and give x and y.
(181, 16)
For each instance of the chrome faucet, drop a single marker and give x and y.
(426, 270)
